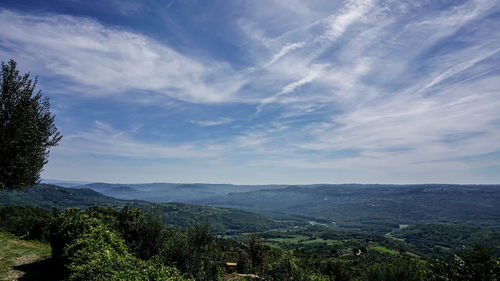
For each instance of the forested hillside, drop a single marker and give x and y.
(172, 192)
(222, 220)
(378, 208)
(370, 207)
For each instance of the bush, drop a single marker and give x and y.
(475, 265)
(144, 232)
(194, 251)
(86, 248)
(101, 254)
(256, 252)
(98, 255)
(398, 270)
(286, 267)
(66, 228)
(336, 268)
(26, 222)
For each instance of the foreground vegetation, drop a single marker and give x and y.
(103, 243)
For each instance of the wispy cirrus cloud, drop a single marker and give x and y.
(397, 87)
(344, 91)
(108, 60)
(209, 123)
(285, 50)
(105, 140)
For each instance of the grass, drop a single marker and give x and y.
(20, 258)
(292, 239)
(301, 240)
(412, 254)
(383, 250)
(391, 236)
(442, 247)
(321, 240)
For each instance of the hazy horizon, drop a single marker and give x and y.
(84, 182)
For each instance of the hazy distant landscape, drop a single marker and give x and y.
(365, 207)
(373, 209)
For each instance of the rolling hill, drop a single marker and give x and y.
(377, 208)
(222, 220)
(172, 192)
(370, 207)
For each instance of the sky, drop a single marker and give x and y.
(265, 92)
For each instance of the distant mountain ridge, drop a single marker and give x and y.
(374, 207)
(172, 192)
(369, 207)
(63, 183)
(222, 220)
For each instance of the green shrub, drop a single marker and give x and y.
(144, 232)
(286, 267)
(98, 255)
(256, 252)
(194, 251)
(107, 216)
(101, 254)
(340, 270)
(68, 227)
(398, 270)
(476, 265)
(26, 222)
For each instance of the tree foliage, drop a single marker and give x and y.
(101, 254)
(28, 223)
(256, 252)
(87, 246)
(287, 267)
(398, 270)
(27, 129)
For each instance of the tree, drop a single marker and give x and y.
(27, 129)
(478, 264)
(256, 252)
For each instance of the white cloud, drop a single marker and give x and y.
(401, 86)
(391, 126)
(285, 50)
(105, 140)
(209, 123)
(456, 69)
(112, 61)
(353, 11)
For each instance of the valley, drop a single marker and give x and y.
(334, 230)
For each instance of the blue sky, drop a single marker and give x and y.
(255, 92)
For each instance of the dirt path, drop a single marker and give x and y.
(14, 274)
(22, 260)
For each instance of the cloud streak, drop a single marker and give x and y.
(357, 91)
(111, 60)
(209, 123)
